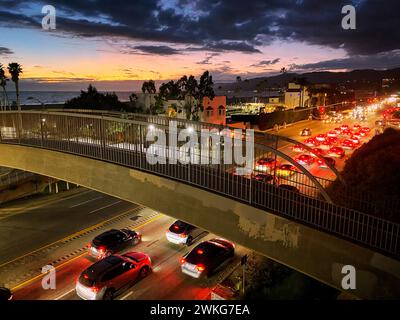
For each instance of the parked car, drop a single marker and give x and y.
(183, 233)
(112, 241)
(207, 257)
(110, 276)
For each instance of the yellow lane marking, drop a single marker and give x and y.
(77, 257)
(68, 237)
(41, 275)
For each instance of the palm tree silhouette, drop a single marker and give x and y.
(15, 70)
(3, 83)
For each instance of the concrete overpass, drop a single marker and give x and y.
(304, 233)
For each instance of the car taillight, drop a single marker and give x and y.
(182, 260)
(102, 249)
(95, 289)
(200, 251)
(200, 267)
(183, 235)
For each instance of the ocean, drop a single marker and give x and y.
(52, 97)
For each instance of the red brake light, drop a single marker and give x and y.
(95, 289)
(182, 261)
(176, 227)
(200, 267)
(102, 249)
(85, 276)
(200, 251)
(183, 235)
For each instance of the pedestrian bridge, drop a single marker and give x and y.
(303, 231)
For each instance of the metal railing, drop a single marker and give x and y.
(123, 142)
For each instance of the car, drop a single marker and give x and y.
(317, 152)
(332, 140)
(265, 177)
(336, 152)
(266, 164)
(305, 132)
(311, 142)
(204, 259)
(5, 294)
(347, 132)
(355, 140)
(305, 159)
(365, 129)
(347, 144)
(286, 170)
(183, 233)
(356, 135)
(356, 127)
(344, 127)
(320, 137)
(298, 148)
(326, 145)
(112, 241)
(363, 133)
(323, 163)
(332, 134)
(337, 130)
(289, 188)
(108, 277)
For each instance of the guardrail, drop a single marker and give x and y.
(91, 136)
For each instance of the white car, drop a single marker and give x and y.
(183, 233)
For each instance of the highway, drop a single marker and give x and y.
(65, 247)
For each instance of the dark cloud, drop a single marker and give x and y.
(208, 58)
(223, 25)
(159, 50)
(266, 63)
(5, 51)
(382, 60)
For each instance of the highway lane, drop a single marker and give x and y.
(37, 222)
(166, 281)
(319, 127)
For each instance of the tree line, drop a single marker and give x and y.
(187, 89)
(14, 69)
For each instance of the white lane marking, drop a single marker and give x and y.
(107, 206)
(127, 295)
(64, 294)
(87, 201)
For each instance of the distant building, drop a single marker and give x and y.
(295, 96)
(214, 110)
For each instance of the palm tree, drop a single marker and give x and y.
(3, 83)
(15, 70)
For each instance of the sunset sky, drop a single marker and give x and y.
(110, 42)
